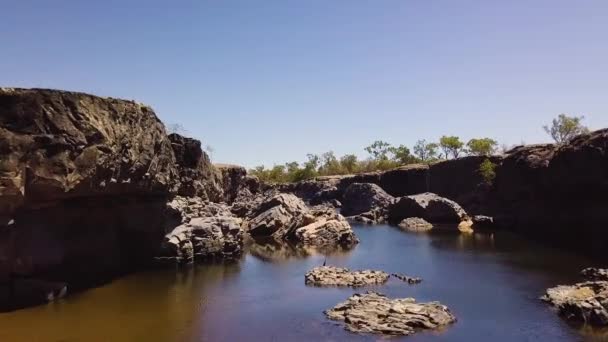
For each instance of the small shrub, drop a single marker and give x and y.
(487, 170)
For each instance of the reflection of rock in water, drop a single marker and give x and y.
(478, 242)
(271, 250)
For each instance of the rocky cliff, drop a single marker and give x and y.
(552, 193)
(84, 181)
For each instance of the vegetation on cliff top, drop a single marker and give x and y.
(384, 156)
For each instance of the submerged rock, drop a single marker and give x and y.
(339, 276)
(204, 238)
(375, 313)
(583, 302)
(409, 280)
(415, 224)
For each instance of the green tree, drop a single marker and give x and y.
(349, 163)
(482, 147)
(402, 155)
(487, 170)
(564, 128)
(425, 151)
(378, 150)
(330, 164)
(451, 145)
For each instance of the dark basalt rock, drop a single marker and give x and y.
(407, 279)
(198, 177)
(359, 198)
(428, 206)
(84, 182)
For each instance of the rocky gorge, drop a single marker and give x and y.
(92, 188)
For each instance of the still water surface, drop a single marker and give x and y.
(490, 282)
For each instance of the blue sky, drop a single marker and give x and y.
(266, 82)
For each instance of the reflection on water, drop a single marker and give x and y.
(490, 281)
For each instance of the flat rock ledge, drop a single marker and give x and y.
(339, 276)
(585, 302)
(374, 313)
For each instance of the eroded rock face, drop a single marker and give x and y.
(56, 145)
(415, 224)
(428, 206)
(374, 313)
(198, 177)
(367, 200)
(338, 276)
(204, 238)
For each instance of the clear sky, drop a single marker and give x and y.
(266, 82)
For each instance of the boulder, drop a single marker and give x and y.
(204, 238)
(360, 198)
(277, 216)
(338, 276)
(415, 224)
(285, 217)
(585, 302)
(428, 206)
(326, 231)
(374, 313)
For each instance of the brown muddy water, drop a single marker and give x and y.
(490, 282)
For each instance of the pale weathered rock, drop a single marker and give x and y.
(583, 302)
(407, 279)
(415, 224)
(204, 238)
(277, 216)
(375, 313)
(285, 217)
(183, 209)
(339, 276)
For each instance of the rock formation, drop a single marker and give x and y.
(374, 313)
(204, 238)
(429, 207)
(367, 200)
(84, 186)
(338, 276)
(585, 302)
(285, 217)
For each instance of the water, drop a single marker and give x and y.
(490, 282)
